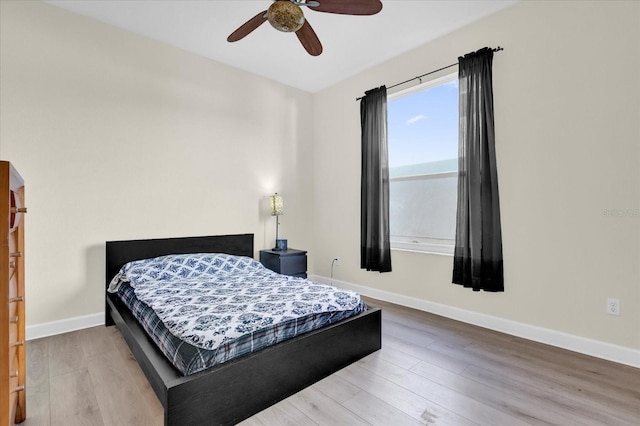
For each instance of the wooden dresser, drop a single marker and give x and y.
(12, 324)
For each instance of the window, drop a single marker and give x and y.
(423, 164)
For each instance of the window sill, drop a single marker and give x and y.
(438, 249)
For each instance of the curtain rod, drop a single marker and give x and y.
(496, 49)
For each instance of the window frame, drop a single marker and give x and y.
(428, 245)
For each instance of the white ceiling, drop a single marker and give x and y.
(351, 43)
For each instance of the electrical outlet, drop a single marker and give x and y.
(613, 306)
(335, 261)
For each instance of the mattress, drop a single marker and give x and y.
(190, 352)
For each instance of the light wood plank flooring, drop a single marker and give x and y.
(430, 370)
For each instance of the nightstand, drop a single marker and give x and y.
(288, 262)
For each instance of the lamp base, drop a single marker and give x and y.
(280, 245)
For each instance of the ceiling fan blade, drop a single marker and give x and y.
(348, 7)
(248, 26)
(309, 39)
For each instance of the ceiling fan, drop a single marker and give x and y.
(287, 16)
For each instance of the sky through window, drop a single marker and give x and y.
(423, 126)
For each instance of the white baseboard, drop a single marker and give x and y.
(596, 348)
(46, 329)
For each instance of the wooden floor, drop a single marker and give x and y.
(430, 371)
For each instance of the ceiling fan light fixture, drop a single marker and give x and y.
(285, 16)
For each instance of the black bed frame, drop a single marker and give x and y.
(235, 390)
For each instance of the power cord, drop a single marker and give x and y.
(335, 259)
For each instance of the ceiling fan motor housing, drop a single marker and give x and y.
(285, 16)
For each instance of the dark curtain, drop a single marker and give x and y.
(375, 247)
(477, 261)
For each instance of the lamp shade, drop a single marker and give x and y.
(277, 205)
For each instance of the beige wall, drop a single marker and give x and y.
(567, 107)
(121, 137)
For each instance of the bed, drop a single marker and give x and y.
(235, 390)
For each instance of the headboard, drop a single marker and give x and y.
(120, 252)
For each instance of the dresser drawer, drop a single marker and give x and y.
(13, 401)
(14, 370)
(13, 335)
(15, 384)
(12, 291)
(293, 265)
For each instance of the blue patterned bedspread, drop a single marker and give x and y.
(204, 309)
